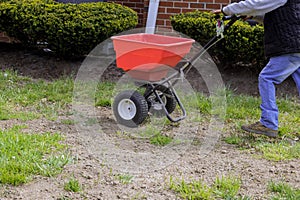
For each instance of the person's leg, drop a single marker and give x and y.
(275, 72)
(296, 77)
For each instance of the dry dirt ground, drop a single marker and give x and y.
(101, 181)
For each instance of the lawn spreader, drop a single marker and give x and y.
(148, 59)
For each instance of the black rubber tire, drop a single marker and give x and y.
(136, 100)
(170, 101)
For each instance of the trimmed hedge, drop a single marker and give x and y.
(69, 29)
(241, 46)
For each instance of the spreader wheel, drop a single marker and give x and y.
(167, 97)
(130, 108)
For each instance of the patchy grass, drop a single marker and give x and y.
(222, 188)
(24, 155)
(283, 191)
(31, 99)
(278, 151)
(228, 188)
(160, 140)
(68, 121)
(270, 149)
(149, 134)
(8, 111)
(125, 178)
(104, 94)
(242, 109)
(73, 185)
(245, 109)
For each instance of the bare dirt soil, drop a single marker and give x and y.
(100, 181)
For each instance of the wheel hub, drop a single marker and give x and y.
(127, 109)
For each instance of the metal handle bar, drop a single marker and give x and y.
(188, 64)
(233, 19)
(226, 17)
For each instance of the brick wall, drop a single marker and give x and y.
(137, 5)
(168, 8)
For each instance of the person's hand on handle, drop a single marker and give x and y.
(216, 11)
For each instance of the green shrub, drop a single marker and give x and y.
(69, 29)
(241, 46)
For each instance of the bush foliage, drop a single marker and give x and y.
(68, 29)
(241, 46)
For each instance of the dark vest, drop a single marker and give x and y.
(282, 29)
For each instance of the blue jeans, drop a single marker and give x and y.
(276, 71)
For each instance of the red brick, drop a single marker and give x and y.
(222, 1)
(160, 22)
(162, 10)
(140, 15)
(168, 23)
(197, 5)
(166, 4)
(192, 1)
(181, 5)
(163, 16)
(139, 5)
(213, 6)
(129, 4)
(173, 10)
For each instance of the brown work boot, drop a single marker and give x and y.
(258, 128)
